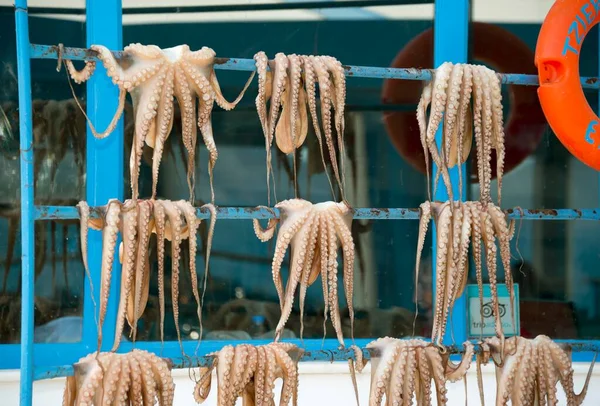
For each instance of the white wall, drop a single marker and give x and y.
(317, 383)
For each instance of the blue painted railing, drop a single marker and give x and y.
(104, 26)
(370, 72)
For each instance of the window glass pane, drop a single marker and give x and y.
(240, 283)
(59, 173)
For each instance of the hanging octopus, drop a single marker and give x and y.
(290, 86)
(528, 371)
(136, 220)
(450, 96)
(403, 369)
(134, 378)
(249, 372)
(456, 229)
(153, 78)
(314, 234)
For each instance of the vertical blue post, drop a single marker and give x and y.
(27, 204)
(450, 44)
(104, 175)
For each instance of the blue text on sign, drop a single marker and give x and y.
(580, 25)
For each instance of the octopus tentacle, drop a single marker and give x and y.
(136, 304)
(444, 215)
(109, 241)
(342, 229)
(465, 126)
(159, 218)
(187, 107)
(164, 125)
(440, 85)
(296, 267)
(293, 216)
(84, 74)
(189, 213)
(451, 111)
(129, 215)
(221, 101)
(339, 80)
(309, 83)
(332, 279)
(326, 104)
(175, 224)
(491, 254)
(498, 128)
(424, 102)
(311, 249)
(501, 229)
(84, 216)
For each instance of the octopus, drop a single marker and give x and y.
(289, 86)
(529, 370)
(249, 372)
(314, 233)
(153, 78)
(134, 378)
(450, 94)
(403, 369)
(455, 229)
(136, 220)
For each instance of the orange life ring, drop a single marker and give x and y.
(497, 48)
(557, 59)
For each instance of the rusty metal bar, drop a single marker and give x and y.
(312, 355)
(51, 52)
(248, 213)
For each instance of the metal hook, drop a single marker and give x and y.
(59, 54)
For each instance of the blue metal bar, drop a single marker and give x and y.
(104, 179)
(247, 213)
(450, 43)
(27, 204)
(312, 353)
(236, 64)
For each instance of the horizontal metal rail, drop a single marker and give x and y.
(247, 213)
(51, 52)
(220, 8)
(332, 355)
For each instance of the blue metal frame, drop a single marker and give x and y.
(450, 44)
(104, 181)
(27, 209)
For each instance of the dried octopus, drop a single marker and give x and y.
(135, 378)
(136, 220)
(528, 371)
(154, 76)
(401, 369)
(450, 96)
(456, 229)
(283, 87)
(250, 372)
(314, 233)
